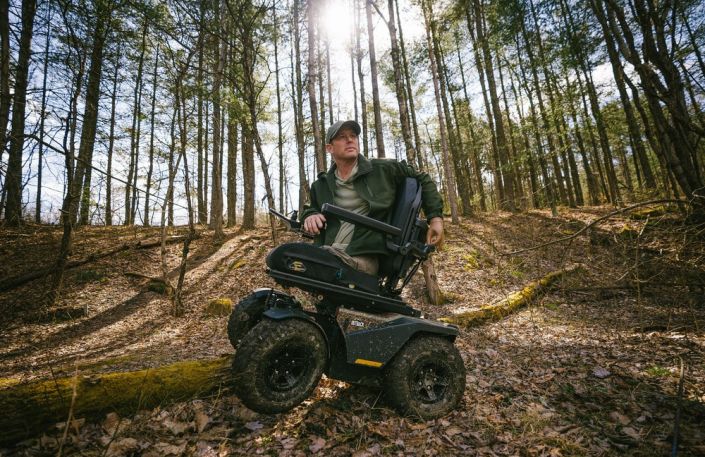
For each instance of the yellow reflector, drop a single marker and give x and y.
(369, 363)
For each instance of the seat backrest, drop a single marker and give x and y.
(404, 215)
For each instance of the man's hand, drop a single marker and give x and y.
(434, 235)
(315, 223)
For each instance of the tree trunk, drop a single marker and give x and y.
(452, 201)
(496, 174)
(111, 144)
(379, 133)
(312, 75)
(42, 116)
(280, 137)
(409, 88)
(13, 177)
(507, 172)
(5, 96)
(297, 93)
(248, 180)
(474, 155)
(150, 170)
(399, 84)
(134, 137)
(361, 77)
(85, 154)
(200, 89)
(217, 186)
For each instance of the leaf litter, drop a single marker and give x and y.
(590, 368)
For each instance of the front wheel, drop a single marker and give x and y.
(246, 314)
(279, 364)
(426, 378)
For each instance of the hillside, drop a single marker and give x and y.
(608, 362)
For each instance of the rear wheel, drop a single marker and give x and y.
(279, 364)
(246, 314)
(426, 378)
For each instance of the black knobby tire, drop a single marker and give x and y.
(426, 378)
(246, 314)
(279, 364)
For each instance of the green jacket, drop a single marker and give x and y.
(376, 182)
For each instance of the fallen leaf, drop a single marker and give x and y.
(454, 430)
(317, 444)
(202, 421)
(122, 446)
(203, 449)
(616, 416)
(176, 427)
(631, 433)
(288, 443)
(600, 372)
(170, 449)
(113, 424)
(254, 426)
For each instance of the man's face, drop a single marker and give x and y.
(344, 146)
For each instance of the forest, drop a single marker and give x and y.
(143, 143)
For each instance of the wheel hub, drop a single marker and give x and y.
(285, 370)
(430, 383)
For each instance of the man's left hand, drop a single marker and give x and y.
(434, 235)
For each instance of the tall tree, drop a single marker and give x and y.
(42, 118)
(111, 144)
(134, 133)
(150, 170)
(220, 51)
(399, 82)
(379, 133)
(312, 77)
(13, 178)
(103, 11)
(507, 170)
(449, 185)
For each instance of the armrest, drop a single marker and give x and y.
(357, 219)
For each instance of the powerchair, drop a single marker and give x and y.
(361, 331)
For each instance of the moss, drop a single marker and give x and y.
(645, 213)
(30, 407)
(658, 372)
(239, 263)
(219, 307)
(510, 304)
(471, 261)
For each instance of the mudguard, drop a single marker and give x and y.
(280, 314)
(376, 346)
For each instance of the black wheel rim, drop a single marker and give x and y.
(288, 368)
(430, 382)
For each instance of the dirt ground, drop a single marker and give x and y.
(609, 362)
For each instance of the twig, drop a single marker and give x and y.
(68, 420)
(596, 221)
(677, 420)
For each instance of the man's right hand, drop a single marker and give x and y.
(314, 223)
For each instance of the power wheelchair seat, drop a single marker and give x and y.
(361, 330)
(316, 270)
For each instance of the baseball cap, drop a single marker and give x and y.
(335, 128)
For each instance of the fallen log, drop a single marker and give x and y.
(17, 281)
(27, 409)
(510, 304)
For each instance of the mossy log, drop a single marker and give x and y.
(28, 408)
(510, 304)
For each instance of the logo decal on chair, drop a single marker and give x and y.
(297, 265)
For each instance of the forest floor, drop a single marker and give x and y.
(609, 362)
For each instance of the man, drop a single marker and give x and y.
(366, 187)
